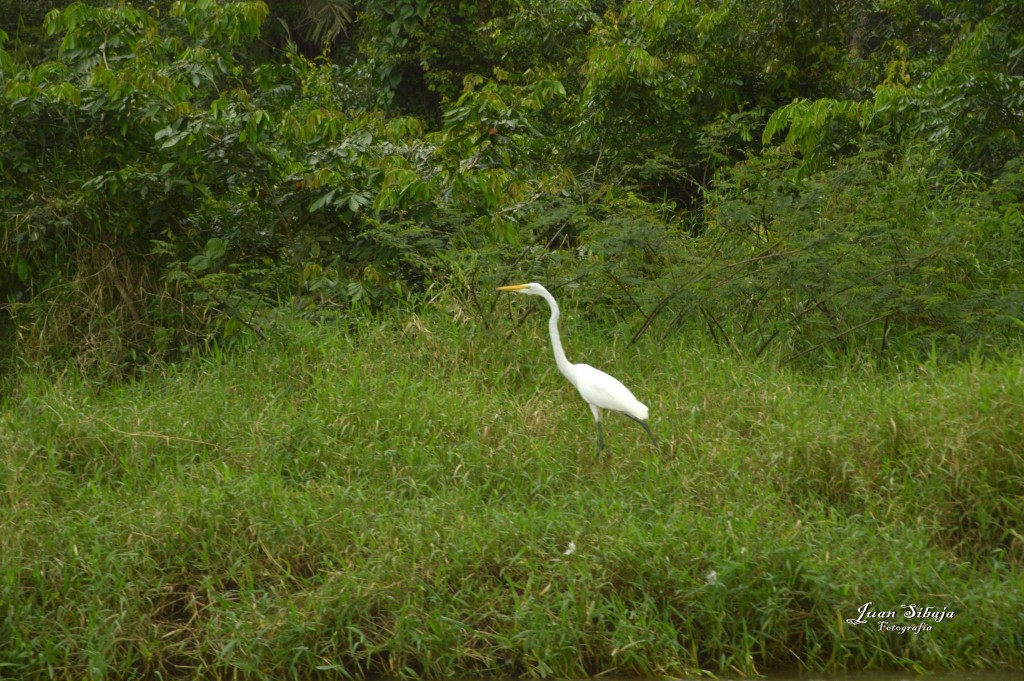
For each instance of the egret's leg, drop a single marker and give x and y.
(646, 427)
(597, 419)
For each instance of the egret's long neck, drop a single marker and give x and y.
(556, 339)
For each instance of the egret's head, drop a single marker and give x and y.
(531, 289)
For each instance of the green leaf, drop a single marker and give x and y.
(215, 248)
(199, 263)
(20, 267)
(319, 203)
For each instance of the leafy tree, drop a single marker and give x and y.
(804, 176)
(675, 90)
(965, 108)
(159, 189)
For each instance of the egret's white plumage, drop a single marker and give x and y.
(597, 388)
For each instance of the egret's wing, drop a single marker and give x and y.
(607, 392)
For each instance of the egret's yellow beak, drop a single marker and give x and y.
(516, 287)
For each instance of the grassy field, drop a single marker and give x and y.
(403, 499)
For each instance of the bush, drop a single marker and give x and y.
(860, 254)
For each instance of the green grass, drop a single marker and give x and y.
(399, 500)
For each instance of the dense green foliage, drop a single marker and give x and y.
(336, 505)
(783, 175)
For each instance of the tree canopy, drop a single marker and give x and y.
(787, 176)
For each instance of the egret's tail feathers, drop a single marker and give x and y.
(639, 411)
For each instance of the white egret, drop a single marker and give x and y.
(600, 390)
